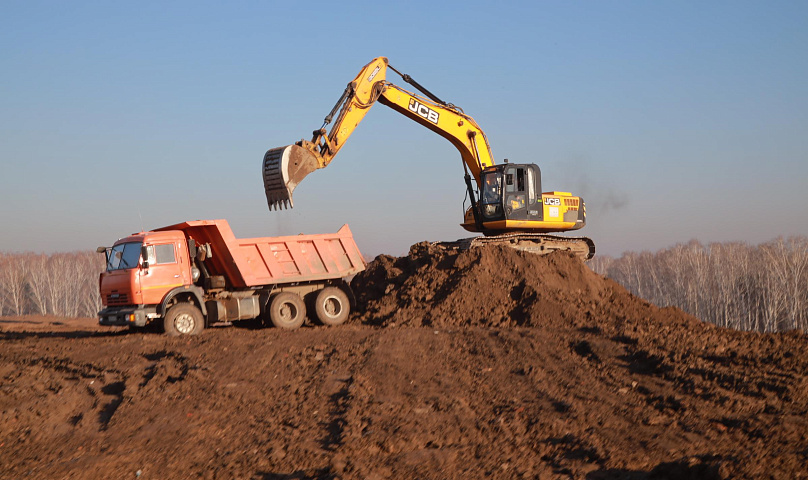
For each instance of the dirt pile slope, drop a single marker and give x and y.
(491, 286)
(481, 364)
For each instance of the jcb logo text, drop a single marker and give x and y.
(424, 111)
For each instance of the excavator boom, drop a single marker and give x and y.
(286, 166)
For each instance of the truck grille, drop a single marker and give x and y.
(118, 299)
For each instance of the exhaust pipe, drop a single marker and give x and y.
(283, 169)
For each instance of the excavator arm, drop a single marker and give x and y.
(285, 167)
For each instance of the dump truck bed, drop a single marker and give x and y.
(253, 262)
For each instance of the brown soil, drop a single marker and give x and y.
(483, 364)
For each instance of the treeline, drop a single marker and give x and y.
(762, 287)
(62, 284)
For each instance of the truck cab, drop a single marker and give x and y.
(141, 271)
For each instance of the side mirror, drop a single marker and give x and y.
(144, 254)
(105, 251)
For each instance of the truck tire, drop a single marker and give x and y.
(332, 306)
(287, 310)
(183, 319)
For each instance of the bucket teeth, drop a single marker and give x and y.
(279, 203)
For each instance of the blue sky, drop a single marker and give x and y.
(674, 120)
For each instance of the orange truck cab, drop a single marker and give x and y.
(193, 274)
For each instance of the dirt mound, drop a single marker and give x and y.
(488, 286)
(531, 367)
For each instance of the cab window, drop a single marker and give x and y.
(160, 254)
(492, 189)
(515, 188)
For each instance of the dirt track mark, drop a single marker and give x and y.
(340, 390)
(340, 401)
(72, 371)
(114, 390)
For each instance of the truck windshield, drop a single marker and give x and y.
(123, 256)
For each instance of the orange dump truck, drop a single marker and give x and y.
(193, 274)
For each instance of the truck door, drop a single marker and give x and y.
(163, 274)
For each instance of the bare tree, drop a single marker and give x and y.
(91, 264)
(788, 260)
(3, 260)
(14, 280)
(600, 264)
(727, 262)
(63, 282)
(38, 282)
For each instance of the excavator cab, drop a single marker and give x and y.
(511, 192)
(511, 200)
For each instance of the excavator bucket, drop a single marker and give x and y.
(284, 168)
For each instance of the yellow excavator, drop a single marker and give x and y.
(507, 205)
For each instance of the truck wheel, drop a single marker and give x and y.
(287, 311)
(183, 319)
(332, 306)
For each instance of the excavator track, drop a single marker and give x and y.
(537, 243)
